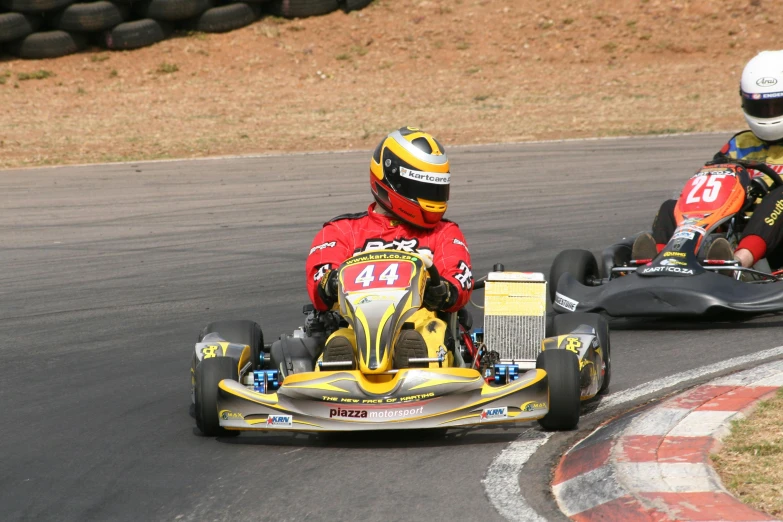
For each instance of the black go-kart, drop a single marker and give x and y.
(679, 282)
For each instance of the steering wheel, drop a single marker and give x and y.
(750, 164)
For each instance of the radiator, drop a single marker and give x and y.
(515, 314)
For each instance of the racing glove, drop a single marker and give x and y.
(327, 288)
(439, 297)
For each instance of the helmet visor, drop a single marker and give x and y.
(414, 184)
(767, 105)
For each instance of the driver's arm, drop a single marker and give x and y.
(329, 249)
(452, 259)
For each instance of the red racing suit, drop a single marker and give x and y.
(350, 234)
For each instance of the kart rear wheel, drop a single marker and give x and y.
(562, 370)
(240, 332)
(209, 373)
(581, 264)
(564, 324)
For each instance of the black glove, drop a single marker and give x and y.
(327, 288)
(439, 297)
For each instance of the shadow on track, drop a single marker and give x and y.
(381, 439)
(715, 323)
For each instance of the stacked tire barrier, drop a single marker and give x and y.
(38, 29)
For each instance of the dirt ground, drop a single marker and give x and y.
(469, 71)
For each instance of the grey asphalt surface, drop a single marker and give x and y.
(109, 272)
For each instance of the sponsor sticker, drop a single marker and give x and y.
(228, 414)
(673, 262)
(671, 269)
(766, 81)
(684, 235)
(674, 254)
(458, 242)
(425, 177)
(565, 302)
(279, 421)
(773, 217)
(464, 276)
(380, 414)
(533, 405)
(493, 414)
(330, 244)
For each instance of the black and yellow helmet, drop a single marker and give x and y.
(409, 177)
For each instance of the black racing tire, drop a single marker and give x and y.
(34, 6)
(355, 5)
(581, 264)
(17, 25)
(47, 44)
(209, 373)
(90, 17)
(302, 8)
(225, 18)
(239, 332)
(562, 370)
(564, 324)
(171, 10)
(139, 33)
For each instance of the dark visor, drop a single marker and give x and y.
(763, 107)
(415, 184)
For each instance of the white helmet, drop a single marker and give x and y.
(761, 89)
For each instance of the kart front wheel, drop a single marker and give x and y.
(209, 373)
(564, 324)
(562, 370)
(239, 332)
(581, 264)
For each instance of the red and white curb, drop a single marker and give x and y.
(501, 483)
(653, 464)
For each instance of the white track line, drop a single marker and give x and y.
(501, 482)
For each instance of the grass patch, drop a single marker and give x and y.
(198, 35)
(167, 68)
(472, 70)
(359, 50)
(609, 47)
(40, 74)
(269, 31)
(101, 57)
(481, 97)
(113, 73)
(343, 56)
(4, 76)
(750, 463)
(568, 21)
(463, 45)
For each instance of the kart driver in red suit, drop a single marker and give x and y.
(409, 178)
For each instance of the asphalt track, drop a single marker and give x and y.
(108, 273)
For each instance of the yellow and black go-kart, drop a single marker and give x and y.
(506, 372)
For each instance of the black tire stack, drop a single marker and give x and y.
(51, 28)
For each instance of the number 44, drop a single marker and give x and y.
(366, 276)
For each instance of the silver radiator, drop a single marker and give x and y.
(515, 314)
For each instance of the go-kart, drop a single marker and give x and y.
(679, 281)
(506, 372)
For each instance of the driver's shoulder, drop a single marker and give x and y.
(341, 217)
